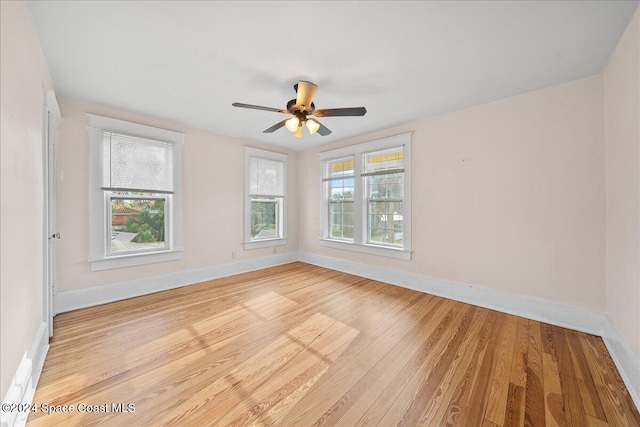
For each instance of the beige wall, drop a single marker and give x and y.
(23, 74)
(622, 142)
(507, 195)
(212, 181)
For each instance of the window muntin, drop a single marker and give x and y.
(265, 205)
(376, 211)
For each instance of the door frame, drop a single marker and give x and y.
(51, 119)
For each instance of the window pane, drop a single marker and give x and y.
(341, 189)
(342, 232)
(386, 222)
(386, 186)
(379, 235)
(335, 207)
(264, 219)
(377, 207)
(341, 219)
(396, 191)
(396, 208)
(347, 232)
(377, 221)
(137, 224)
(337, 168)
(390, 159)
(345, 193)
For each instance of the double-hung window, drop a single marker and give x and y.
(265, 222)
(339, 177)
(366, 197)
(383, 173)
(135, 194)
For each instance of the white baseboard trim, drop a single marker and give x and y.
(624, 357)
(23, 385)
(97, 295)
(566, 316)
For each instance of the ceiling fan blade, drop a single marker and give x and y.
(306, 92)
(259, 107)
(322, 130)
(336, 112)
(275, 127)
(298, 132)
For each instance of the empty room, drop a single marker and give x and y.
(338, 213)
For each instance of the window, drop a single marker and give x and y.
(135, 194)
(384, 184)
(340, 181)
(366, 203)
(265, 198)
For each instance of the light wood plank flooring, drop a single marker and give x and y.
(300, 345)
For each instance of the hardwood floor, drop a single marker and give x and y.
(299, 345)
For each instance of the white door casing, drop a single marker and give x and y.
(51, 119)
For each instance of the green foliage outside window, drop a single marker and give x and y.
(263, 218)
(148, 224)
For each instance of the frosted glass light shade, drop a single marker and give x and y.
(292, 124)
(313, 126)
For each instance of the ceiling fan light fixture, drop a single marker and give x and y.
(313, 126)
(292, 124)
(300, 108)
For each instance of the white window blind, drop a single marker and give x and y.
(266, 178)
(136, 164)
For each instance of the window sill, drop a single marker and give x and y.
(385, 251)
(266, 243)
(134, 259)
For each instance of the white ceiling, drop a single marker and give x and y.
(188, 61)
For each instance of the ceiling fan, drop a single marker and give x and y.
(301, 107)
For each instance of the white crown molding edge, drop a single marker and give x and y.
(23, 385)
(96, 295)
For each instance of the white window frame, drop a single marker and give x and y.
(282, 239)
(100, 256)
(360, 205)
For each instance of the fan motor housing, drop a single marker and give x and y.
(293, 108)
